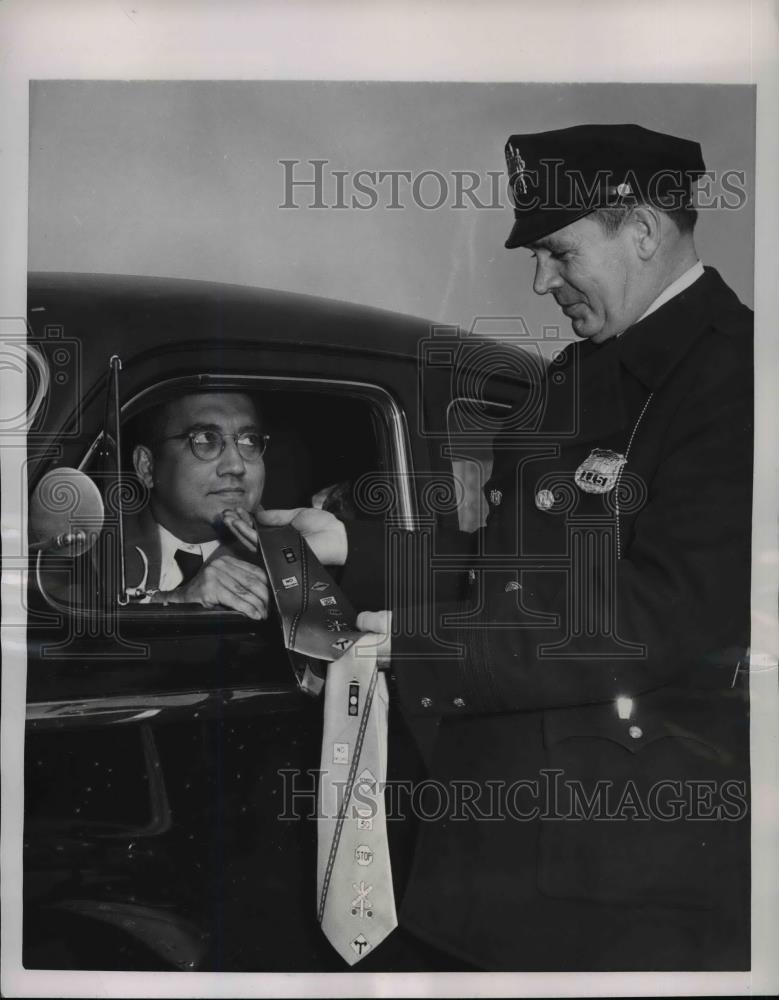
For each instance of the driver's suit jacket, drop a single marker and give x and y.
(142, 551)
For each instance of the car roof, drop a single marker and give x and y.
(139, 313)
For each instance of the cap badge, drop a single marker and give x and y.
(516, 165)
(600, 471)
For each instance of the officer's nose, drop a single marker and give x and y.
(546, 278)
(230, 461)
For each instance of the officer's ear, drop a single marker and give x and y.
(143, 462)
(647, 229)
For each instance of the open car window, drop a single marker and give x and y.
(323, 437)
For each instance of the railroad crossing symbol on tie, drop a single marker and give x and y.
(360, 944)
(336, 626)
(361, 905)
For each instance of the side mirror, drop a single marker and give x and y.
(66, 513)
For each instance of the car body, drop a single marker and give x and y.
(158, 743)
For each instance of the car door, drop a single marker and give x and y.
(169, 755)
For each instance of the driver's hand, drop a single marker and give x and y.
(325, 534)
(224, 582)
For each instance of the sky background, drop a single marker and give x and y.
(183, 179)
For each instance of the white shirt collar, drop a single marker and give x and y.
(170, 574)
(689, 277)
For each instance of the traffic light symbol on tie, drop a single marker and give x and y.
(354, 695)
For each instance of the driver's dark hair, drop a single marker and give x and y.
(149, 426)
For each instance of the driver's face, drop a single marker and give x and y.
(189, 494)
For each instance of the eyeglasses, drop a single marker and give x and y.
(208, 445)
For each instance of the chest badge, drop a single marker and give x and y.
(599, 472)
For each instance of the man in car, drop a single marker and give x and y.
(599, 694)
(200, 456)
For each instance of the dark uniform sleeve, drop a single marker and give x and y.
(365, 578)
(681, 588)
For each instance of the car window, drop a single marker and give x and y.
(321, 442)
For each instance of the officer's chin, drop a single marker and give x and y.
(584, 327)
(591, 327)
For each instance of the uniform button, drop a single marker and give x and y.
(545, 499)
(425, 702)
(636, 732)
(458, 703)
(495, 497)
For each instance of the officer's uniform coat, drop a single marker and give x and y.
(535, 698)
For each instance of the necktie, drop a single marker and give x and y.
(356, 904)
(354, 877)
(188, 562)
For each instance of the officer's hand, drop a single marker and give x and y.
(379, 624)
(226, 582)
(240, 523)
(325, 534)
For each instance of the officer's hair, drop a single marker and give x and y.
(612, 219)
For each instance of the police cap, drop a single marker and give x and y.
(558, 177)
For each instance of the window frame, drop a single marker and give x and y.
(395, 446)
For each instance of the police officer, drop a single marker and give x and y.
(597, 712)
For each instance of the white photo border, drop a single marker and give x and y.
(603, 40)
